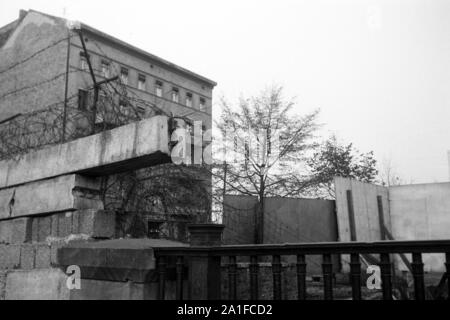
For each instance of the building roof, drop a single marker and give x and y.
(147, 55)
(138, 51)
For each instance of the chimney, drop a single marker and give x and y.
(22, 14)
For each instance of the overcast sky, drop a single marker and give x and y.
(378, 70)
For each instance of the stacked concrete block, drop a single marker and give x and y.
(98, 224)
(15, 231)
(69, 192)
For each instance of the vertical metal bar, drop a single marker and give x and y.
(351, 215)
(327, 268)
(301, 277)
(276, 272)
(381, 217)
(161, 278)
(254, 269)
(417, 267)
(179, 284)
(386, 282)
(232, 268)
(447, 266)
(355, 273)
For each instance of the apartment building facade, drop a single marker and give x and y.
(42, 61)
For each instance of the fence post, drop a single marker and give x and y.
(204, 269)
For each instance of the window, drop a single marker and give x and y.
(141, 82)
(175, 95)
(159, 89)
(105, 69)
(202, 104)
(189, 99)
(124, 75)
(82, 99)
(83, 61)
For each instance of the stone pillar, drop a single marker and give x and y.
(204, 269)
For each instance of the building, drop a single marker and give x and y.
(61, 80)
(38, 50)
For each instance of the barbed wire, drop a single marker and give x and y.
(55, 43)
(37, 84)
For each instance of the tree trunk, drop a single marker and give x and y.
(259, 227)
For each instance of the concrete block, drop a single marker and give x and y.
(27, 256)
(42, 284)
(54, 251)
(43, 257)
(3, 284)
(112, 290)
(55, 225)
(10, 256)
(95, 223)
(58, 194)
(44, 228)
(137, 145)
(15, 231)
(65, 224)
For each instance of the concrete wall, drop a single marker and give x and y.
(411, 212)
(285, 220)
(239, 220)
(365, 209)
(421, 212)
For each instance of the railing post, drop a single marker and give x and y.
(447, 267)
(161, 278)
(204, 269)
(232, 273)
(254, 271)
(179, 282)
(301, 277)
(327, 268)
(276, 271)
(355, 273)
(386, 282)
(419, 286)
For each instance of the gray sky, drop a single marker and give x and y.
(378, 70)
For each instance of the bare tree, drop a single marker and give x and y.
(388, 174)
(263, 148)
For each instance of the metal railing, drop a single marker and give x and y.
(207, 259)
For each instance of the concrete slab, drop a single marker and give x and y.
(44, 284)
(137, 145)
(69, 192)
(114, 260)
